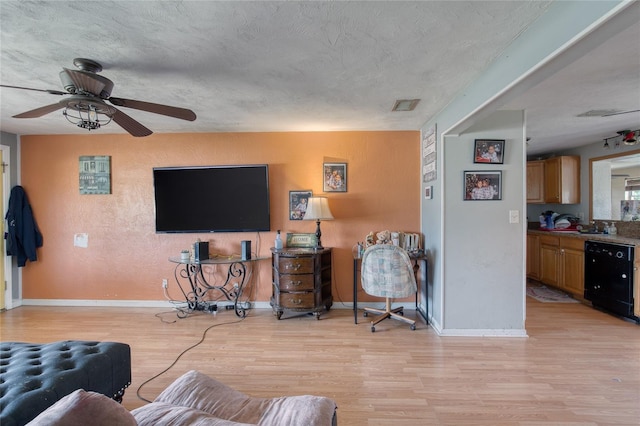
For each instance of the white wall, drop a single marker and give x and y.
(565, 33)
(483, 252)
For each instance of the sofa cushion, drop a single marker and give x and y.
(165, 414)
(201, 392)
(81, 408)
(299, 411)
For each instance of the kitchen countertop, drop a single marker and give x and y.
(594, 237)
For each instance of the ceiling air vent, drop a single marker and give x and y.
(605, 112)
(405, 105)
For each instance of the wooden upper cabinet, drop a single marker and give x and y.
(562, 180)
(535, 181)
(554, 180)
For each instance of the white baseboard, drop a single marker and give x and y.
(167, 304)
(464, 332)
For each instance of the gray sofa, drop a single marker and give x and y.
(192, 399)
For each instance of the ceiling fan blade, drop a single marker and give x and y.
(621, 112)
(52, 92)
(181, 113)
(85, 81)
(130, 125)
(39, 112)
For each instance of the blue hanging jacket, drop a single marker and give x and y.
(22, 236)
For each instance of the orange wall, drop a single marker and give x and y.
(125, 258)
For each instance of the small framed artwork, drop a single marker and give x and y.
(480, 185)
(427, 192)
(298, 204)
(488, 151)
(429, 169)
(95, 174)
(334, 177)
(302, 240)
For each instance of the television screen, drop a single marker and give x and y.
(212, 198)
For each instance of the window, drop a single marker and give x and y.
(632, 188)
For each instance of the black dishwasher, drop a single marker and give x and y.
(608, 277)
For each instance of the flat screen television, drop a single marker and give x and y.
(212, 199)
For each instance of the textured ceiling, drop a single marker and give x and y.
(294, 66)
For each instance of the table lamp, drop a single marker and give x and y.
(318, 209)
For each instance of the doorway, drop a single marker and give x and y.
(6, 290)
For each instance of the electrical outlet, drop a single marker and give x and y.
(164, 283)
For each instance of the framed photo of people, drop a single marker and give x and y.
(335, 177)
(298, 204)
(482, 186)
(488, 151)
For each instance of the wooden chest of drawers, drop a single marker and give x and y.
(301, 281)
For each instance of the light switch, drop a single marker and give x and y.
(514, 216)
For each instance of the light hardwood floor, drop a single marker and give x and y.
(578, 366)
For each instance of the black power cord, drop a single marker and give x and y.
(204, 335)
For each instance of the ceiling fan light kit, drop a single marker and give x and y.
(87, 107)
(87, 113)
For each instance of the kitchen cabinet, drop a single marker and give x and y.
(533, 257)
(550, 260)
(562, 263)
(554, 180)
(572, 265)
(562, 180)
(535, 181)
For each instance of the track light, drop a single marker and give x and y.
(628, 137)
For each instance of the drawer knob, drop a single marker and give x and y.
(296, 301)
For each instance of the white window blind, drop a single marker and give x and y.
(632, 184)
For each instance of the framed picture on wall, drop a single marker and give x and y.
(482, 186)
(298, 204)
(429, 168)
(95, 174)
(488, 151)
(335, 177)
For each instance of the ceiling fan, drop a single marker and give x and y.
(87, 106)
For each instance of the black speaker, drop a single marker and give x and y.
(201, 250)
(246, 250)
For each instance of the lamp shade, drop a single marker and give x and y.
(318, 209)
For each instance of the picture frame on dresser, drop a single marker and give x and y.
(301, 240)
(298, 201)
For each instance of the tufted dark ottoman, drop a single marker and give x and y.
(34, 376)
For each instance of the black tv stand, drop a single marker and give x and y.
(197, 295)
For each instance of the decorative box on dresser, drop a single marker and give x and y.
(301, 280)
